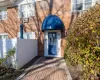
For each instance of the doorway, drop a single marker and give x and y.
(52, 43)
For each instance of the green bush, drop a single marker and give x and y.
(9, 54)
(83, 43)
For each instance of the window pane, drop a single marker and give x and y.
(30, 6)
(86, 1)
(27, 10)
(4, 16)
(25, 14)
(31, 13)
(24, 8)
(78, 1)
(31, 10)
(5, 37)
(78, 6)
(88, 5)
(24, 11)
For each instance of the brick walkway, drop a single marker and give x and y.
(47, 69)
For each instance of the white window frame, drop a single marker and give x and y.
(38, 0)
(3, 14)
(3, 36)
(83, 2)
(32, 9)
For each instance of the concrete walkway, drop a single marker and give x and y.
(47, 69)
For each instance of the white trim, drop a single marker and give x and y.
(58, 45)
(38, 0)
(3, 34)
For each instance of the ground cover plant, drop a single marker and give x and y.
(7, 72)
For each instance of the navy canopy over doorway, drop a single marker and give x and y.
(52, 22)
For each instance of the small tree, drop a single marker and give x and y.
(83, 43)
(9, 54)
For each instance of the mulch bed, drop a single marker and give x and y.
(9, 73)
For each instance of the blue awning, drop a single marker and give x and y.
(52, 22)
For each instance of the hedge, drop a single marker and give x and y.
(83, 43)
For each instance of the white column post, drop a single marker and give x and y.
(83, 4)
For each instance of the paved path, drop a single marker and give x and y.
(47, 69)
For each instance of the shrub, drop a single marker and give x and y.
(9, 54)
(83, 43)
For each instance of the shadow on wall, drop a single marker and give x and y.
(43, 8)
(10, 25)
(60, 8)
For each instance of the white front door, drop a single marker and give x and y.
(52, 43)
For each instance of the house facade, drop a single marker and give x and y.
(48, 19)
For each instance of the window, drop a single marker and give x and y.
(78, 5)
(4, 36)
(26, 10)
(28, 35)
(3, 14)
(37, 0)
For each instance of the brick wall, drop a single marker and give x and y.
(61, 8)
